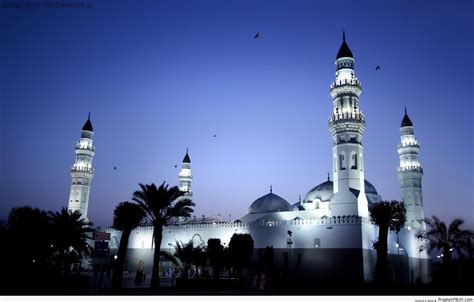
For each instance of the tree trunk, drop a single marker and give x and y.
(381, 267)
(155, 276)
(118, 265)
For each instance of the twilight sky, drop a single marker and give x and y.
(160, 76)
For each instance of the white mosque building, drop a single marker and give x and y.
(330, 228)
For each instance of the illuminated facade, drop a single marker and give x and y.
(82, 171)
(410, 173)
(185, 178)
(331, 232)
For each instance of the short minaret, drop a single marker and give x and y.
(410, 173)
(82, 171)
(347, 125)
(185, 177)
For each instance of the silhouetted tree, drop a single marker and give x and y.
(29, 241)
(445, 238)
(215, 252)
(387, 216)
(69, 237)
(127, 216)
(160, 207)
(241, 250)
(188, 254)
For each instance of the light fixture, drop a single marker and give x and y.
(115, 257)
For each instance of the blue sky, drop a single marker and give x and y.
(162, 76)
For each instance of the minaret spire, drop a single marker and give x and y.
(82, 171)
(410, 174)
(185, 177)
(271, 189)
(347, 126)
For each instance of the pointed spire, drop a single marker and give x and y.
(328, 177)
(406, 122)
(299, 198)
(88, 125)
(344, 50)
(271, 189)
(186, 158)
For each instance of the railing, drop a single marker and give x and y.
(347, 117)
(339, 220)
(82, 147)
(410, 168)
(82, 169)
(353, 82)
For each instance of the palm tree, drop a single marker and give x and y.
(127, 216)
(445, 238)
(387, 216)
(69, 237)
(185, 253)
(161, 207)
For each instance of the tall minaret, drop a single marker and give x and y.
(185, 177)
(82, 171)
(410, 173)
(347, 126)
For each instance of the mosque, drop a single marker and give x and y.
(329, 231)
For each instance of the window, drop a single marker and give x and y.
(342, 163)
(354, 161)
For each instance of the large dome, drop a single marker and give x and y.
(324, 191)
(269, 203)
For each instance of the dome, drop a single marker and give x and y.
(269, 203)
(324, 191)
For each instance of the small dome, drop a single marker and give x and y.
(324, 191)
(88, 125)
(369, 188)
(269, 203)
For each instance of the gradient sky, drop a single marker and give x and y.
(162, 76)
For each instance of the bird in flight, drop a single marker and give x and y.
(215, 135)
(257, 35)
(115, 168)
(175, 166)
(378, 67)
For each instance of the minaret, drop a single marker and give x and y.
(410, 173)
(185, 177)
(347, 126)
(82, 171)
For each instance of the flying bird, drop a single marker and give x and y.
(215, 135)
(378, 67)
(115, 168)
(175, 166)
(257, 35)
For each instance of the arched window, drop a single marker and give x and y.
(354, 161)
(342, 162)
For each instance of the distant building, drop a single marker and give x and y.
(330, 229)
